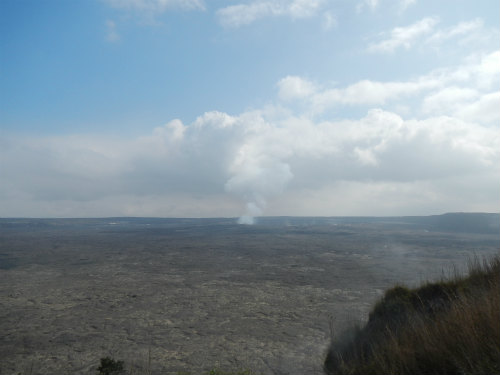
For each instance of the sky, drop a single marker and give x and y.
(245, 108)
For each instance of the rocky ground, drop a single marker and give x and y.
(185, 296)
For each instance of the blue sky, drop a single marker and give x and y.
(257, 107)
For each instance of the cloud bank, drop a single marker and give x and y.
(222, 165)
(278, 161)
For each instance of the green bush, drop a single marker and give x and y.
(110, 367)
(218, 371)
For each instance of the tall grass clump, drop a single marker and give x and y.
(447, 327)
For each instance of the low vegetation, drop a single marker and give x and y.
(447, 327)
(110, 366)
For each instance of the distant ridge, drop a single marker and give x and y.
(462, 222)
(475, 222)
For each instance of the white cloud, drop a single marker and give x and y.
(371, 4)
(244, 14)
(254, 163)
(463, 28)
(303, 8)
(468, 91)
(112, 34)
(487, 72)
(485, 110)
(424, 34)
(368, 92)
(448, 100)
(404, 36)
(329, 21)
(362, 93)
(441, 92)
(293, 87)
(156, 6)
(147, 12)
(405, 4)
(479, 71)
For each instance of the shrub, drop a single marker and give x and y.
(218, 371)
(110, 367)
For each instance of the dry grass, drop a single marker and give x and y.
(448, 327)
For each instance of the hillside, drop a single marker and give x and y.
(447, 327)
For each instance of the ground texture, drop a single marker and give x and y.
(185, 296)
